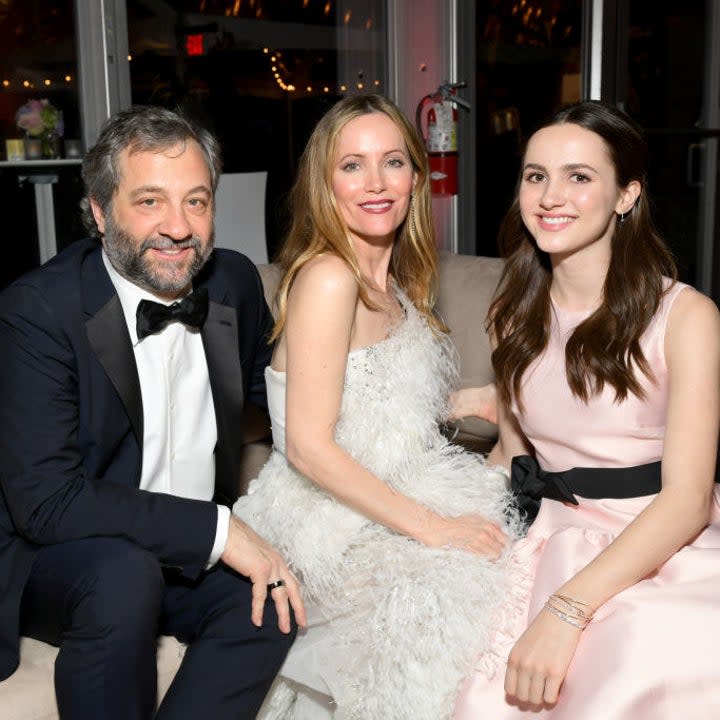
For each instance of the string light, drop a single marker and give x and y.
(281, 76)
(277, 69)
(30, 85)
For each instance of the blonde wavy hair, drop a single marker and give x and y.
(318, 227)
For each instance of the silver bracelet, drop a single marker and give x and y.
(582, 624)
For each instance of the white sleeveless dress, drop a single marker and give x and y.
(394, 626)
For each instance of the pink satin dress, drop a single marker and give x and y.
(653, 651)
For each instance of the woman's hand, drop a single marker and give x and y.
(540, 659)
(472, 533)
(475, 401)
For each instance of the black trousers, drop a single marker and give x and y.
(105, 600)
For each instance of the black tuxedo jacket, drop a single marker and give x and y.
(71, 418)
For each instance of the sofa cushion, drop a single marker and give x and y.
(271, 276)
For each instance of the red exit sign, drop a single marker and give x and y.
(194, 44)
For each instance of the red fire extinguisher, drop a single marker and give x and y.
(441, 140)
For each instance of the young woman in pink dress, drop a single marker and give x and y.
(608, 373)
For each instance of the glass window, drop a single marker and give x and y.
(38, 64)
(669, 85)
(258, 74)
(528, 66)
(37, 61)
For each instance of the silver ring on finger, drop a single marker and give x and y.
(278, 583)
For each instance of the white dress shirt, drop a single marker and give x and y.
(179, 424)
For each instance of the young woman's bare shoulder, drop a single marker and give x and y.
(691, 304)
(694, 317)
(328, 276)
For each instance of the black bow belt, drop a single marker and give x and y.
(530, 483)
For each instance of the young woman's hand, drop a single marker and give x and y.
(540, 659)
(476, 402)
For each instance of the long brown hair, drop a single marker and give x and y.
(318, 227)
(604, 348)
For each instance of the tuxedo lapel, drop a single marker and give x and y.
(109, 339)
(220, 339)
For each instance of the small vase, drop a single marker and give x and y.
(33, 148)
(50, 145)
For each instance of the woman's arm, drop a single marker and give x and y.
(679, 512)
(320, 322)
(511, 439)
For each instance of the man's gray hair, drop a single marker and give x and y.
(140, 129)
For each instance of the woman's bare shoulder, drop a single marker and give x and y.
(691, 306)
(693, 323)
(327, 275)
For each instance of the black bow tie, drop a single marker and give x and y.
(153, 317)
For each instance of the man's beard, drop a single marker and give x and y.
(129, 259)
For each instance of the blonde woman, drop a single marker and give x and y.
(398, 537)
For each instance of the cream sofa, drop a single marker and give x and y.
(466, 287)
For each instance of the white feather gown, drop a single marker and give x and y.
(394, 626)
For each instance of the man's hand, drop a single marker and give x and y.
(247, 553)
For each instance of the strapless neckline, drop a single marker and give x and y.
(357, 351)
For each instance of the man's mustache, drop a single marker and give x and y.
(163, 243)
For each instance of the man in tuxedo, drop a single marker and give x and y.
(124, 367)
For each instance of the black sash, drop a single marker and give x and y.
(530, 483)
